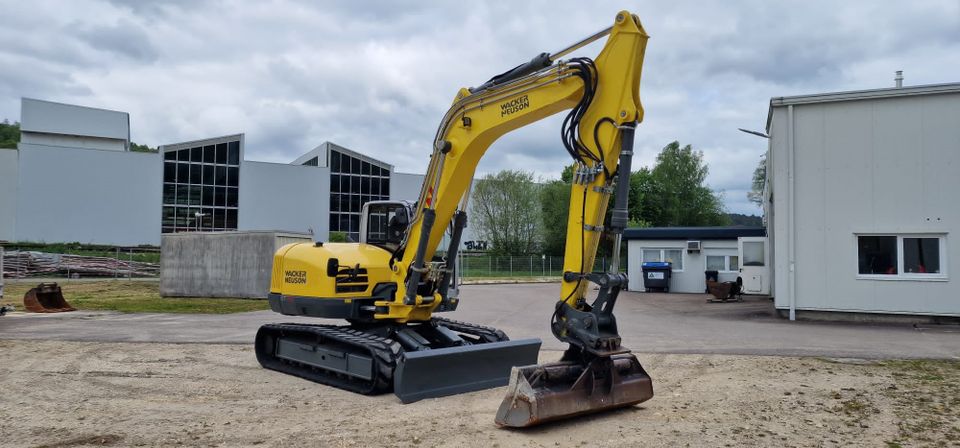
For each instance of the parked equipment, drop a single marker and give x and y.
(389, 285)
(725, 291)
(46, 298)
(656, 275)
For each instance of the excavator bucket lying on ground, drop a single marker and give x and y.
(46, 298)
(454, 370)
(554, 391)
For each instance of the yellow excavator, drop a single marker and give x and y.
(389, 285)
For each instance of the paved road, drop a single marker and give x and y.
(649, 323)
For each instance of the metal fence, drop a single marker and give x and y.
(81, 262)
(487, 266)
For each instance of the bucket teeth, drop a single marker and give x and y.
(545, 392)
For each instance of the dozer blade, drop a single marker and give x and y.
(554, 391)
(46, 298)
(453, 370)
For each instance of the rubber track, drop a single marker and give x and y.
(488, 334)
(383, 351)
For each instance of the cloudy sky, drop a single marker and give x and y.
(377, 76)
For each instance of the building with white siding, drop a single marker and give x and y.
(73, 178)
(694, 250)
(861, 201)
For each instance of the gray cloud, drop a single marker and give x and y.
(123, 38)
(377, 76)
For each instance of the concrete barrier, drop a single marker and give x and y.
(220, 264)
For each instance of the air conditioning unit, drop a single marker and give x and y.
(693, 246)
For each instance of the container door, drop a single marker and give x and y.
(754, 265)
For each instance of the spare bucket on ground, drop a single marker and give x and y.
(46, 298)
(542, 393)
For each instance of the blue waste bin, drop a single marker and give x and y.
(656, 275)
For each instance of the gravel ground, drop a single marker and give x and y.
(71, 394)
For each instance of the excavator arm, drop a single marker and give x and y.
(604, 102)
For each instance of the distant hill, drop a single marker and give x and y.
(738, 219)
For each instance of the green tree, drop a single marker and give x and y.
(9, 134)
(141, 148)
(755, 194)
(554, 211)
(506, 212)
(675, 193)
(338, 237)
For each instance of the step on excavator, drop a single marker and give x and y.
(390, 284)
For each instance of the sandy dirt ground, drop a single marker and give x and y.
(72, 394)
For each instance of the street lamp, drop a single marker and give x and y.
(757, 133)
(197, 216)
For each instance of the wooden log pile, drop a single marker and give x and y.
(21, 264)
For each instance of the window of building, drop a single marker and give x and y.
(200, 188)
(354, 181)
(723, 263)
(674, 256)
(901, 256)
(753, 253)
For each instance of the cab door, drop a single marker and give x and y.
(754, 264)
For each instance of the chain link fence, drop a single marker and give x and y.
(488, 266)
(79, 261)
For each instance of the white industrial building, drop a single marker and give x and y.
(861, 201)
(731, 251)
(73, 178)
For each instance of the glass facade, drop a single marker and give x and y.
(354, 181)
(200, 186)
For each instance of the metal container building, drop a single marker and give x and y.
(861, 201)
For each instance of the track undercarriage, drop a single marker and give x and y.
(374, 359)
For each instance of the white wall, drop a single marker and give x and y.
(73, 141)
(284, 197)
(884, 165)
(691, 279)
(8, 193)
(68, 119)
(89, 196)
(405, 186)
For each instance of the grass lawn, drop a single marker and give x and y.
(133, 297)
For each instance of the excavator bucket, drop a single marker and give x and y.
(46, 298)
(554, 391)
(454, 370)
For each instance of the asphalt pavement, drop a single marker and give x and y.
(648, 323)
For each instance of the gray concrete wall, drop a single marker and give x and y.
(284, 197)
(691, 278)
(882, 166)
(9, 167)
(220, 264)
(47, 117)
(89, 196)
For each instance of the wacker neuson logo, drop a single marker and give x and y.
(295, 277)
(514, 105)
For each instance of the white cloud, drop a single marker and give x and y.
(377, 76)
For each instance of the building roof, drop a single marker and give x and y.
(855, 95)
(320, 152)
(692, 233)
(202, 142)
(69, 119)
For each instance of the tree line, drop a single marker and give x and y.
(519, 215)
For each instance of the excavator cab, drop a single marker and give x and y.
(385, 223)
